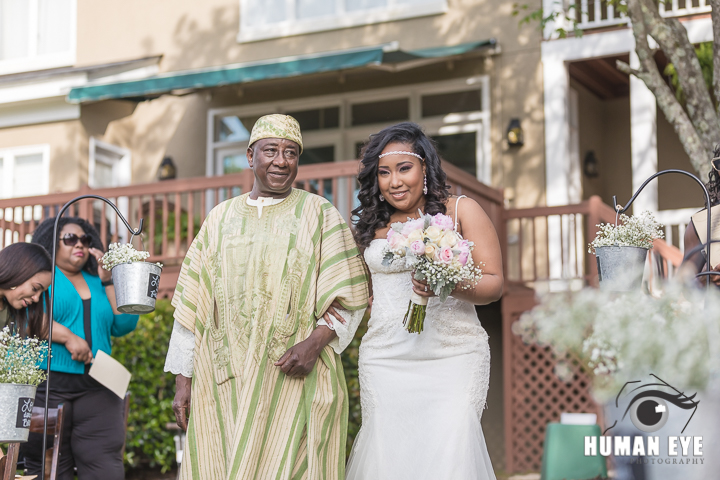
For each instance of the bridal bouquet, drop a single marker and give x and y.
(439, 256)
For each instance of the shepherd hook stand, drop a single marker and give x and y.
(52, 298)
(622, 209)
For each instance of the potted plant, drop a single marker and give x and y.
(136, 281)
(621, 250)
(19, 378)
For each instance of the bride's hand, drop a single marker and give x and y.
(421, 288)
(332, 311)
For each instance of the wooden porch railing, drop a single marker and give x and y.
(173, 210)
(550, 245)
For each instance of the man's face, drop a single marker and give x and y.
(274, 162)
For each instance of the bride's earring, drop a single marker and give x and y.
(425, 184)
(382, 199)
(13, 288)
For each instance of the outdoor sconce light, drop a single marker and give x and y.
(515, 133)
(590, 165)
(167, 170)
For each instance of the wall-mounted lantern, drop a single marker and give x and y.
(167, 169)
(590, 165)
(515, 133)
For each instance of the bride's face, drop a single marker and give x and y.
(400, 178)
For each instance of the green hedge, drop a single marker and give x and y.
(142, 352)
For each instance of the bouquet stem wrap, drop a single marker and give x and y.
(415, 316)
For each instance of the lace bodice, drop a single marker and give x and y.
(453, 323)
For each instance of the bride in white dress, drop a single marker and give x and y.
(422, 395)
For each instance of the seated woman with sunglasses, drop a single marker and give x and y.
(696, 232)
(86, 317)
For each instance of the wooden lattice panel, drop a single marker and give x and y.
(535, 396)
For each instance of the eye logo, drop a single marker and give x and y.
(649, 409)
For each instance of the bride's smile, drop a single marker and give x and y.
(401, 178)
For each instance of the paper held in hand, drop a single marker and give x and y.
(110, 373)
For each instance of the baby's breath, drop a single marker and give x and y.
(636, 231)
(119, 253)
(20, 358)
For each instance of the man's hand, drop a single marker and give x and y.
(79, 349)
(300, 359)
(181, 402)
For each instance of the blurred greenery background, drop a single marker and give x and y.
(149, 443)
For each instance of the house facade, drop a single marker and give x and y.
(125, 85)
(603, 129)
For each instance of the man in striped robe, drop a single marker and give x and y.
(253, 343)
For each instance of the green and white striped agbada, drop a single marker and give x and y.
(268, 279)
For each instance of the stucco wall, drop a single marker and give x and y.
(197, 34)
(68, 150)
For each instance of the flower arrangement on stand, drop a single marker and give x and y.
(438, 254)
(621, 250)
(136, 281)
(19, 377)
(621, 337)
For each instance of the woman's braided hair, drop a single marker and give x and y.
(713, 184)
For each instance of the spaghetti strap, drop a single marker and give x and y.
(456, 209)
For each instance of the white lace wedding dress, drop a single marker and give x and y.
(422, 395)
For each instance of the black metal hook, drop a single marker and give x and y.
(52, 297)
(622, 209)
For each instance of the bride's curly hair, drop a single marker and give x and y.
(373, 214)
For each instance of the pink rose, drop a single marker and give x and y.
(443, 222)
(464, 247)
(411, 225)
(396, 241)
(417, 247)
(445, 255)
(463, 258)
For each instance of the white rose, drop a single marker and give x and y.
(448, 240)
(433, 233)
(414, 236)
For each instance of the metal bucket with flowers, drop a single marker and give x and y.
(136, 281)
(19, 378)
(621, 250)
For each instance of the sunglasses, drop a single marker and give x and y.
(70, 239)
(716, 163)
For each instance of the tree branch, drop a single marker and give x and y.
(673, 39)
(715, 14)
(691, 140)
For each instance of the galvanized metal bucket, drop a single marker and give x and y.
(136, 286)
(620, 268)
(16, 405)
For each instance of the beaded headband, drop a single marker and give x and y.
(400, 152)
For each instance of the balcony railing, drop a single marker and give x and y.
(173, 210)
(547, 247)
(590, 14)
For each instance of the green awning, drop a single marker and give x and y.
(383, 55)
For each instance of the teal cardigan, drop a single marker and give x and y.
(68, 311)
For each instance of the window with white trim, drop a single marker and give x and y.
(262, 19)
(24, 171)
(36, 34)
(456, 114)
